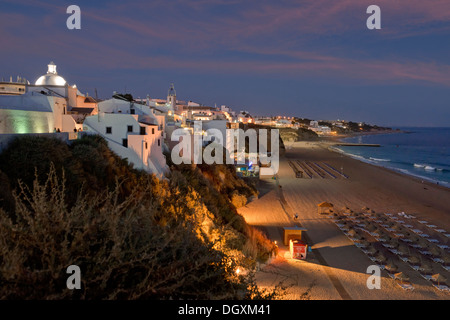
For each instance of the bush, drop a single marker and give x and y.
(122, 250)
(238, 200)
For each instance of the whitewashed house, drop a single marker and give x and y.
(132, 131)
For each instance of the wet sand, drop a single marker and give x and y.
(336, 269)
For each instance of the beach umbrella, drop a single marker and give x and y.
(424, 243)
(371, 250)
(426, 267)
(435, 252)
(380, 257)
(403, 249)
(414, 260)
(401, 276)
(438, 278)
(378, 231)
(365, 243)
(357, 236)
(394, 242)
(346, 209)
(446, 259)
(391, 267)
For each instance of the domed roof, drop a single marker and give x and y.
(51, 78)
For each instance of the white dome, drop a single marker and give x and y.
(51, 78)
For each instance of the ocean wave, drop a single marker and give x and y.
(378, 159)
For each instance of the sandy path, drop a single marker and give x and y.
(337, 268)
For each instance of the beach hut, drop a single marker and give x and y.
(325, 207)
(292, 233)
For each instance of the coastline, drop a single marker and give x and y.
(380, 189)
(332, 145)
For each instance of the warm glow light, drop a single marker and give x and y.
(238, 271)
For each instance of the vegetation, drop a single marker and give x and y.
(300, 134)
(132, 235)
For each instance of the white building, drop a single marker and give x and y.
(132, 131)
(47, 106)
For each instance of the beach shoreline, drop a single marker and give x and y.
(424, 180)
(368, 185)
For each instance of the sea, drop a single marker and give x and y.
(420, 152)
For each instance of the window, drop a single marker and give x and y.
(142, 130)
(132, 111)
(130, 128)
(159, 143)
(153, 130)
(108, 130)
(125, 143)
(146, 145)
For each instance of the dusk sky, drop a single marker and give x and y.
(314, 59)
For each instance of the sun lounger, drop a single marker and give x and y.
(406, 286)
(441, 287)
(404, 259)
(432, 226)
(400, 235)
(433, 240)
(388, 214)
(406, 240)
(443, 246)
(387, 245)
(425, 252)
(438, 260)
(394, 251)
(447, 235)
(417, 231)
(408, 226)
(423, 221)
(426, 276)
(424, 235)
(414, 267)
(441, 230)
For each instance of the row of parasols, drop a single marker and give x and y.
(407, 246)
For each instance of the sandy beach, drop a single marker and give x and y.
(336, 268)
